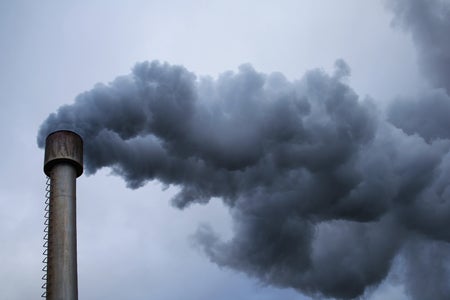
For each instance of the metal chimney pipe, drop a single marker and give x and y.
(63, 163)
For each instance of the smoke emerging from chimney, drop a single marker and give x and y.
(324, 191)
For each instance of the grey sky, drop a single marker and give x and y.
(134, 244)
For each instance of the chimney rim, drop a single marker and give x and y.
(67, 147)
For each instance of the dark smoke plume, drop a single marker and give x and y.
(324, 192)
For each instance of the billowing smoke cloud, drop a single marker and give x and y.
(324, 193)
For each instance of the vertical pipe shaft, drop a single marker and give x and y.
(62, 251)
(63, 164)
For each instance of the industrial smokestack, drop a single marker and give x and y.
(63, 163)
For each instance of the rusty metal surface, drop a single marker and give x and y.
(63, 146)
(62, 281)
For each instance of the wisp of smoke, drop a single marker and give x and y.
(324, 191)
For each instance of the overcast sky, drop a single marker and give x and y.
(134, 244)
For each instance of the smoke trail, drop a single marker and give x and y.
(324, 193)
